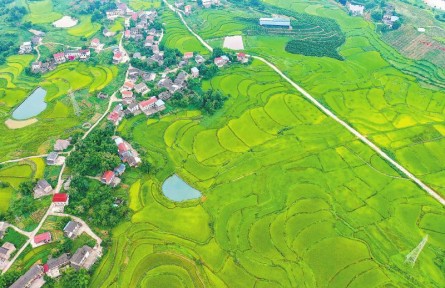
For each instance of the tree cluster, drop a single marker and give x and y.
(95, 154)
(94, 201)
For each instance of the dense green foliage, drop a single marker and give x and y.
(6, 279)
(72, 278)
(94, 201)
(95, 154)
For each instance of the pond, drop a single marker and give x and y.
(175, 189)
(32, 106)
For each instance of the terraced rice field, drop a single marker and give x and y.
(291, 200)
(14, 174)
(143, 4)
(15, 86)
(41, 12)
(85, 28)
(177, 36)
(379, 92)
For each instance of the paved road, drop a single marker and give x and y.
(329, 113)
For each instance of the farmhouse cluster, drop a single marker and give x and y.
(59, 58)
(128, 155)
(388, 16)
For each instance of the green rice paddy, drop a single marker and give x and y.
(291, 200)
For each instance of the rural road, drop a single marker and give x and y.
(329, 113)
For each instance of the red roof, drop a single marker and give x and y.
(148, 102)
(57, 55)
(134, 16)
(45, 268)
(44, 237)
(241, 54)
(150, 37)
(188, 55)
(127, 94)
(60, 197)
(108, 176)
(95, 41)
(84, 51)
(114, 116)
(127, 32)
(122, 147)
(117, 54)
(129, 84)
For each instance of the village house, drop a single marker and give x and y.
(95, 43)
(160, 105)
(60, 200)
(53, 266)
(389, 20)
(165, 95)
(36, 66)
(138, 55)
(119, 170)
(61, 145)
(188, 55)
(72, 54)
(188, 9)
(126, 94)
(199, 59)
(33, 277)
(221, 61)
(195, 72)
(127, 34)
(59, 57)
(112, 14)
(51, 159)
(84, 257)
(5, 252)
(42, 188)
(107, 177)
(108, 33)
(43, 238)
(147, 104)
(181, 78)
(155, 49)
(133, 108)
(128, 85)
(138, 37)
(141, 88)
(36, 40)
(149, 77)
(134, 16)
(242, 57)
(179, 3)
(134, 31)
(117, 57)
(25, 48)
(355, 10)
(116, 115)
(71, 229)
(156, 58)
(152, 31)
(149, 40)
(84, 54)
(102, 95)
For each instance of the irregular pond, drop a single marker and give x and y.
(32, 106)
(175, 189)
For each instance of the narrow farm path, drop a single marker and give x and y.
(328, 112)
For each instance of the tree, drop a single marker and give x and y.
(217, 52)
(26, 188)
(377, 15)
(396, 25)
(75, 279)
(8, 278)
